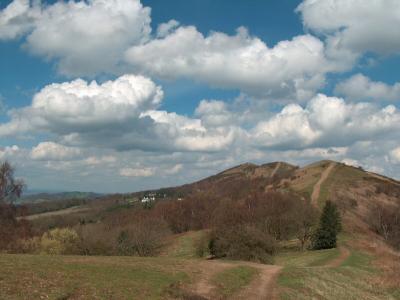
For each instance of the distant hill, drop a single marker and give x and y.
(40, 197)
(356, 191)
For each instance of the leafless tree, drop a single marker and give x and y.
(10, 188)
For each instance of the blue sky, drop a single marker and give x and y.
(183, 89)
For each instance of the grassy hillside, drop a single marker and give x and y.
(362, 267)
(77, 277)
(324, 274)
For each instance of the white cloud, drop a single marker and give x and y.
(353, 27)
(167, 28)
(293, 68)
(17, 19)
(114, 37)
(52, 152)
(85, 37)
(136, 172)
(117, 114)
(214, 113)
(351, 162)
(360, 87)
(106, 159)
(326, 121)
(8, 151)
(187, 134)
(395, 155)
(174, 170)
(76, 106)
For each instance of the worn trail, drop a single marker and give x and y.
(262, 287)
(317, 186)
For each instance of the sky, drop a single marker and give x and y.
(125, 95)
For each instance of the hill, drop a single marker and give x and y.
(255, 208)
(357, 192)
(40, 197)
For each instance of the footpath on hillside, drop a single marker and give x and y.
(278, 165)
(344, 253)
(262, 287)
(317, 187)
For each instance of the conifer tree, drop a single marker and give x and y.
(329, 226)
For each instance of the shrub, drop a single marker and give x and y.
(11, 229)
(242, 243)
(142, 236)
(385, 220)
(59, 241)
(201, 245)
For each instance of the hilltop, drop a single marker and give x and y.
(253, 213)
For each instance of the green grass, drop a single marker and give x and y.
(306, 258)
(359, 260)
(184, 246)
(329, 283)
(63, 277)
(305, 276)
(340, 177)
(234, 279)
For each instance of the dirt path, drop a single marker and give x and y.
(262, 287)
(204, 286)
(317, 186)
(278, 165)
(344, 254)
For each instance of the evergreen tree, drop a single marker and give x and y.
(329, 227)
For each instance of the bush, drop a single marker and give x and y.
(201, 245)
(385, 220)
(144, 238)
(242, 243)
(60, 241)
(11, 229)
(141, 236)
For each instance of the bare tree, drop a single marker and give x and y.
(10, 188)
(306, 217)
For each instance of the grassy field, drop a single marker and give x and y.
(306, 276)
(70, 277)
(184, 245)
(234, 279)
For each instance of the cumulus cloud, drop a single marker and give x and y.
(189, 134)
(165, 29)
(17, 19)
(53, 151)
(8, 151)
(294, 68)
(326, 121)
(85, 37)
(119, 114)
(214, 113)
(353, 27)
(114, 36)
(395, 155)
(174, 170)
(105, 159)
(360, 87)
(79, 106)
(136, 172)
